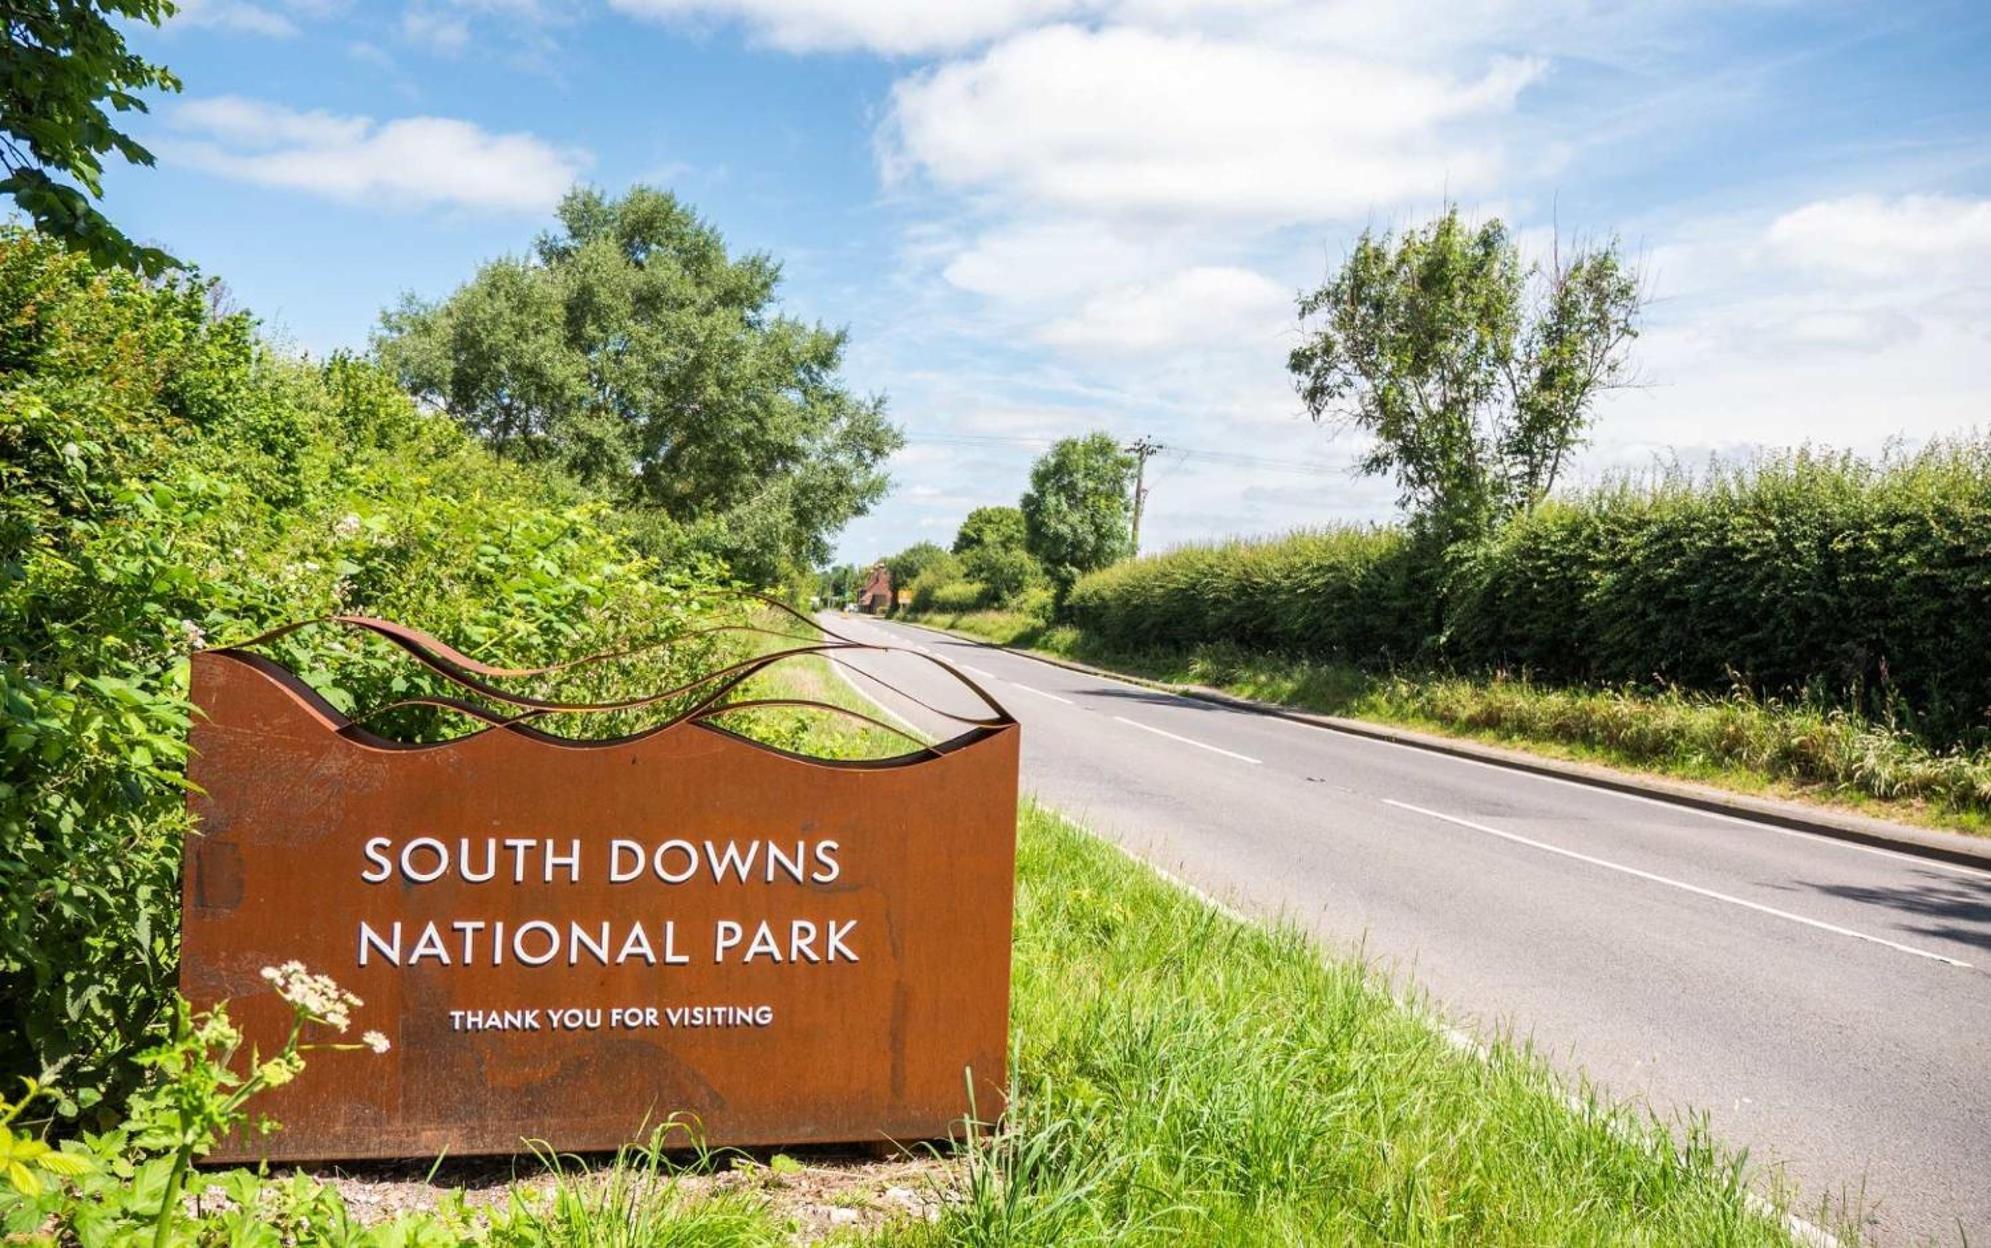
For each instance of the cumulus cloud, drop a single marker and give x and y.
(1031, 261)
(1133, 120)
(405, 161)
(236, 15)
(1872, 236)
(1195, 306)
(889, 26)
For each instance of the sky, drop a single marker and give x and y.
(1041, 217)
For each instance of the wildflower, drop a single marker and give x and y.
(348, 526)
(316, 996)
(375, 1041)
(195, 634)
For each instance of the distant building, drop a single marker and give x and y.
(876, 596)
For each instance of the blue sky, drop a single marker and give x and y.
(1038, 217)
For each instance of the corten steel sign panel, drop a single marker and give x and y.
(571, 942)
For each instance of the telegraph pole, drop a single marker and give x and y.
(1140, 449)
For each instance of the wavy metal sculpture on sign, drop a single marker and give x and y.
(566, 939)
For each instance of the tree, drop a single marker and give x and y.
(992, 544)
(920, 557)
(1075, 513)
(1474, 374)
(63, 60)
(990, 526)
(633, 352)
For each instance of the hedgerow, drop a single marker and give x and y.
(1807, 577)
(167, 481)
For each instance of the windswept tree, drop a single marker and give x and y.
(629, 349)
(1474, 375)
(62, 63)
(1077, 511)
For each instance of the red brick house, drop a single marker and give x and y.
(876, 596)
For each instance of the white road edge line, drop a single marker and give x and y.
(1744, 820)
(1201, 745)
(1040, 693)
(1679, 884)
(868, 696)
(1802, 1230)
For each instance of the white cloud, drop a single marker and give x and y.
(438, 32)
(1193, 307)
(1869, 236)
(1130, 120)
(1032, 261)
(409, 160)
(889, 26)
(236, 15)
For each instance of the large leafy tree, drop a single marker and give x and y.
(1076, 513)
(62, 63)
(990, 527)
(630, 349)
(993, 543)
(1474, 374)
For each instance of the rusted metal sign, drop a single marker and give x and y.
(570, 941)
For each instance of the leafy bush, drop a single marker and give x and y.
(1345, 592)
(165, 481)
(1805, 576)
(949, 596)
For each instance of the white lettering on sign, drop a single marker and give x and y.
(621, 1018)
(460, 942)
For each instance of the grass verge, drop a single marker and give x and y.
(1180, 1075)
(1824, 756)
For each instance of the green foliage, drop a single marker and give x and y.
(1347, 593)
(62, 62)
(993, 546)
(1473, 389)
(632, 352)
(1802, 577)
(1183, 1077)
(166, 481)
(1076, 513)
(918, 560)
(947, 594)
(1000, 527)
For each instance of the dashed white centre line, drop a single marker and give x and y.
(1679, 884)
(1040, 693)
(978, 671)
(1201, 745)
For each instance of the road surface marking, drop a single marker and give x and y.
(1040, 693)
(1243, 758)
(844, 675)
(1679, 884)
(1815, 838)
(978, 671)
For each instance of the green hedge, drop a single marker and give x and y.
(1805, 575)
(164, 481)
(1349, 594)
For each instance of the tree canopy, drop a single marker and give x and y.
(632, 351)
(985, 527)
(1474, 373)
(61, 63)
(1076, 511)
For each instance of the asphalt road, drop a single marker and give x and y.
(1826, 1005)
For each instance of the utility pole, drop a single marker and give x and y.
(1140, 449)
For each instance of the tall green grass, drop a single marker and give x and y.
(1185, 1077)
